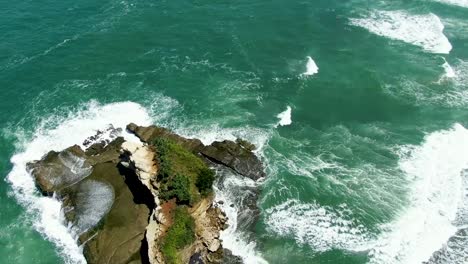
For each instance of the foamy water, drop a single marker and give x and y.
(74, 128)
(322, 228)
(462, 3)
(285, 117)
(311, 67)
(434, 169)
(449, 72)
(233, 238)
(425, 31)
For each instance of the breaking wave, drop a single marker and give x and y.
(435, 171)
(285, 117)
(462, 3)
(311, 67)
(425, 31)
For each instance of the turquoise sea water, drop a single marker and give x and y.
(370, 170)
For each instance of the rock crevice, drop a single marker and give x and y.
(112, 194)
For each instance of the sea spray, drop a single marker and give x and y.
(449, 72)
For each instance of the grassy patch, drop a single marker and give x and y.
(179, 235)
(182, 174)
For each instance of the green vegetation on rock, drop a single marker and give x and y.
(178, 188)
(182, 174)
(180, 234)
(205, 181)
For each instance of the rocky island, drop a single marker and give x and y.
(148, 200)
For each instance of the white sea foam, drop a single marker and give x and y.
(285, 117)
(462, 3)
(449, 72)
(233, 238)
(311, 67)
(94, 200)
(434, 170)
(57, 133)
(321, 227)
(425, 31)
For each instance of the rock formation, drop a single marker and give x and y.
(126, 201)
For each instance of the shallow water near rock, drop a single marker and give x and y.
(364, 167)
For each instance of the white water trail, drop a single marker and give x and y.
(435, 171)
(74, 129)
(323, 228)
(461, 3)
(285, 117)
(425, 31)
(449, 72)
(311, 67)
(233, 238)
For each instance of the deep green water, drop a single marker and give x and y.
(369, 170)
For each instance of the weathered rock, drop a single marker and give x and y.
(245, 144)
(149, 134)
(235, 156)
(141, 158)
(57, 170)
(102, 136)
(105, 206)
(229, 258)
(214, 245)
(119, 235)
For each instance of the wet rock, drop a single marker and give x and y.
(105, 208)
(245, 144)
(119, 235)
(229, 258)
(102, 136)
(235, 156)
(57, 170)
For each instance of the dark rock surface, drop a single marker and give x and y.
(148, 134)
(57, 170)
(229, 258)
(105, 204)
(235, 156)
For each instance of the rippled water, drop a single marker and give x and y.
(358, 109)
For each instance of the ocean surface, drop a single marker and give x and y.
(359, 110)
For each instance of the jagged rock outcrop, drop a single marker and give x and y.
(141, 158)
(237, 156)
